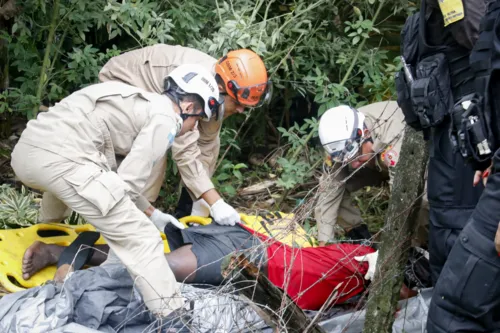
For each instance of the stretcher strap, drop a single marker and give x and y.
(80, 250)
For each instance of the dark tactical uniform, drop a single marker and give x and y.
(452, 196)
(467, 295)
(438, 57)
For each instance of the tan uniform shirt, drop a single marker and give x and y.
(386, 124)
(70, 152)
(115, 118)
(196, 152)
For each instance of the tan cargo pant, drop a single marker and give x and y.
(54, 210)
(100, 196)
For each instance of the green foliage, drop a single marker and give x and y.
(229, 178)
(17, 209)
(294, 168)
(227, 138)
(297, 136)
(78, 51)
(325, 52)
(140, 20)
(373, 203)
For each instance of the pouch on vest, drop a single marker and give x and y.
(457, 128)
(469, 129)
(480, 125)
(409, 52)
(431, 90)
(404, 100)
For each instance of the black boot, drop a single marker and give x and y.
(359, 233)
(184, 205)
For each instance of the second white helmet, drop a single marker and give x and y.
(196, 79)
(341, 132)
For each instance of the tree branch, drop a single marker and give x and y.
(9, 10)
(46, 58)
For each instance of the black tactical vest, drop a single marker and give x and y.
(435, 38)
(440, 70)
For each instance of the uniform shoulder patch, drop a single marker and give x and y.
(328, 161)
(389, 157)
(171, 137)
(452, 10)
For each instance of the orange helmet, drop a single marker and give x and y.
(244, 76)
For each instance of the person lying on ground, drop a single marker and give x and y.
(309, 275)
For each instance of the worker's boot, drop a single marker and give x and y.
(184, 205)
(359, 233)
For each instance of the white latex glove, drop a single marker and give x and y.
(224, 214)
(160, 220)
(200, 208)
(371, 258)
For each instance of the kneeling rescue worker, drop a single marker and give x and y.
(242, 79)
(362, 148)
(70, 150)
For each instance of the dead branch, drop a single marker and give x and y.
(9, 9)
(257, 188)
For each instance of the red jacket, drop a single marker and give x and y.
(310, 275)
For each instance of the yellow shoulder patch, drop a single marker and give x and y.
(452, 10)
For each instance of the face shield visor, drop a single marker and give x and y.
(343, 151)
(253, 96)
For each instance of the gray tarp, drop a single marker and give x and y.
(411, 318)
(102, 299)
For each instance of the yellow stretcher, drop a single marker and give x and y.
(14, 242)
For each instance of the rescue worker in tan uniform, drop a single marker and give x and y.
(242, 79)
(374, 134)
(70, 151)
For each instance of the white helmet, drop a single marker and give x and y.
(195, 79)
(341, 132)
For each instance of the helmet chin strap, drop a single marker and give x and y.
(176, 100)
(222, 109)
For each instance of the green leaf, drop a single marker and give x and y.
(238, 174)
(223, 176)
(240, 166)
(229, 190)
(355, 40)
(227, 166)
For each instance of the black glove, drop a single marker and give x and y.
(480, 166)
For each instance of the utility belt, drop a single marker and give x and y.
(424, 93)
(469, 129)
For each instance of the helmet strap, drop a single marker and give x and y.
(175, 97)
(220, 112)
